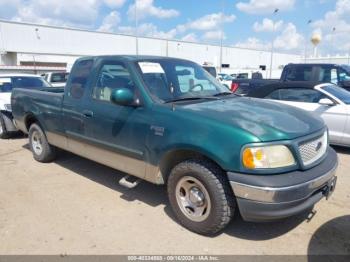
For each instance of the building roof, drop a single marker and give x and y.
(19, 75)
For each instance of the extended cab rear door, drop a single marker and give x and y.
(74, 114)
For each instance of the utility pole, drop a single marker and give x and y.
(221, 35)
(272, 42)
(136, 29)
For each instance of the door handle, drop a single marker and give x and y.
(88, 113)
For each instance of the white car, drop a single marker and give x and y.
(56, 79)
(7, 83)
(328, 101)
(225, 79)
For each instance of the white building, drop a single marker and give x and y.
(30, 47)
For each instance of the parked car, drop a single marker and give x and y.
(328, 101)
(324, 73)
(211, 70)
(218, 153)
(7, 83)
(225, 79)
(56, 79)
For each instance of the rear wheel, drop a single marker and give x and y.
(3, 131)
(200, 196)
(40, 147)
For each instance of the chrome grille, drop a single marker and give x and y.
(313, 150)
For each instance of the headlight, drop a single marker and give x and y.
(267, 157)
(8, 107)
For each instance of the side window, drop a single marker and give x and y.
(5, 85)
(301, 95)
(112, 75)
(299, 73)
(343, 75)
(274, 95)
(79, 78)
(328, 74)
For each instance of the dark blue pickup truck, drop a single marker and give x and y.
(322, 73)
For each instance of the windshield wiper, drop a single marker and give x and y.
(223, 94)
(191, 98)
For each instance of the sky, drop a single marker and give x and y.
(243, 23)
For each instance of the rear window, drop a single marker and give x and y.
(243, 76)
(211, 70)
(8, 83)
(299, 73)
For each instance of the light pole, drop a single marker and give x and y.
(221, 35)
(272, 42)
(306, 41)
(136, 29)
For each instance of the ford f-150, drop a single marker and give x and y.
(168, 121)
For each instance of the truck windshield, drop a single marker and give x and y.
(8, 83)
(59, 77)
(338, 92)
(175, 80)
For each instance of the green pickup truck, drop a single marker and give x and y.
(168, 121)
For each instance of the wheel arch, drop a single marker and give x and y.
(30, 119)
(175, 156)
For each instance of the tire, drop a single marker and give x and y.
(3, 131)
(40, 147)
(200, 196)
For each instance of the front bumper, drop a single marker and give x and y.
(271, 197)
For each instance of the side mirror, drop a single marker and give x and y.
(123, 97)
(326, 102)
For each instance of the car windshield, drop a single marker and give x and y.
(8, 83)
(59, 77)
(226, 77)
(338, 92)
(172, 80)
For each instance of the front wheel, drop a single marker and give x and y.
(40, 147)
(200, 196)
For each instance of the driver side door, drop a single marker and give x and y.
(118, 132)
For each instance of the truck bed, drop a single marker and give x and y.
(244, 86)
(46, 103)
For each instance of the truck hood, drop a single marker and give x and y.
(267, 120)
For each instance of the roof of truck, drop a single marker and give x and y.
(315, 64)
(267, 89)
(135, 57)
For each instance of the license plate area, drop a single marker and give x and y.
(329, 188)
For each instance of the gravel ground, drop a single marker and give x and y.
(75, 206)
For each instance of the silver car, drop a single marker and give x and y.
(328, 101)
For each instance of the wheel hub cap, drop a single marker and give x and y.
(197, 196)
(37, 143)
(193, 199)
